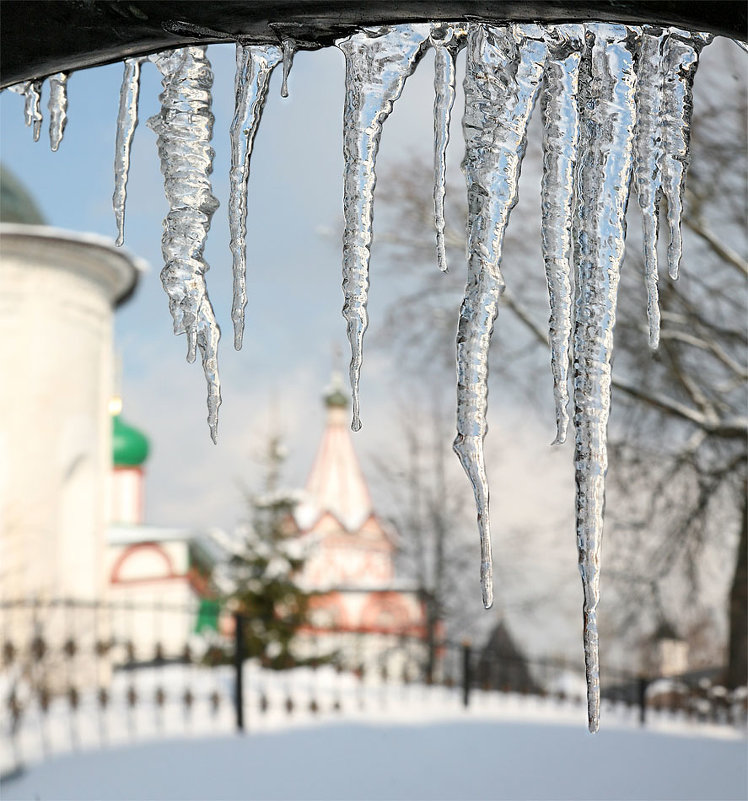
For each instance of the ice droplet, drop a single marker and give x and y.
(184, 128)
(560, 140)
(254, 65)
(608, 112)
(127, 121)
(445, 53)
(58, 108)
(502, 80)
(377, 64)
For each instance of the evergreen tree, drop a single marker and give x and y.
(263, 572)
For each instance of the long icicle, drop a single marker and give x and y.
(648, 160)
(445, 54)
(127, 121)
(58, 108)
(377, 64)
(560, 140)
(608, 113)
(254, 66)
(502, 80)
(681, 59)
(184, 128)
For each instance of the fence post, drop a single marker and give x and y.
(642, 685)
(238, 678)
(467, 677)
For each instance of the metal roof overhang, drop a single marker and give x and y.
(40, 38)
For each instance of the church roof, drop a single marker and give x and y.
(336, 484)
(17, 205)
(129, 446)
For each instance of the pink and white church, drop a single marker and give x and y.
(359, 606)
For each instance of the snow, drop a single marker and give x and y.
(458, 758)
(383, 741)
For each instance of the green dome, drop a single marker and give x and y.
(129, 446)
(16, 203)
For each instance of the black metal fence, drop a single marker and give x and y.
(79, 674)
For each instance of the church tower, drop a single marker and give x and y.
(358, 606)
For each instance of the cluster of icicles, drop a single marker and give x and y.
(616, 104)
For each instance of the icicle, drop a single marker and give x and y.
(34, 116)
(31, 91)
(647, 161)
(254, 66)
(127, 121)
(608, 113)
(560, 139)
(680, 60)
(504, 68)
(58, 108)
(289, 49)
(445, 54)
(184, 128)
(378, 62)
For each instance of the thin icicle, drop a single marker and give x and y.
(647, 162)
(378, 62)
(608, 113)
(502, 80)
(680, 60)
(58, 108)
(560, 140)
(184, 128)
(31, 91)
(254, 66)
(289, 50)
(445, 53)
(127, 121)
(34, 116)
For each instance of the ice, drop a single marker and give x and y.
(58, 108)
(184, 128)
(502, 81)
(560, 140)
(127, 121)
(680, 60)
(254, 66)
(445, 53)
(32, 94)
(648, 137)
(289, 48)
(377, 63)
(608, 113)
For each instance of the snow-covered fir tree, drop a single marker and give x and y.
(262, 571)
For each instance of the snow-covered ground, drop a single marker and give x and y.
(365, 741)
(456, 759)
